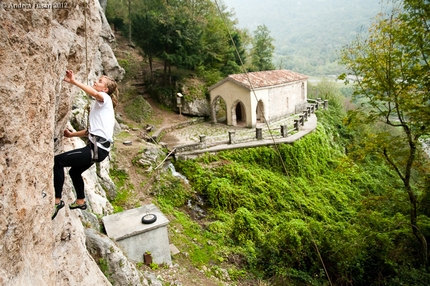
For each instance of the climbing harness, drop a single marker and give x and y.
(92, 143)
(94, 139)
(274, 142)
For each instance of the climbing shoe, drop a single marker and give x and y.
(57, 207)
(74, 205)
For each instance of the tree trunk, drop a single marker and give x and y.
(406, 178)
(150, 66)
(165, 71)
(129, 20)
(420, 237)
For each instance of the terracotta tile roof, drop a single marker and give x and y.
(265, 78)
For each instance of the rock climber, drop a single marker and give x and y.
(99, 133)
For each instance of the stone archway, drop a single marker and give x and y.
(260, 112)
(219, 110)
(238, 114)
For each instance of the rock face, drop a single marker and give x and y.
(198, 107)
(37, 45)
(120, 270)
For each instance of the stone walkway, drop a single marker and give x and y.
(219, 133)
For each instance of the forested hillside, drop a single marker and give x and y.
(347, 204)
(304, 214)
(307, 33)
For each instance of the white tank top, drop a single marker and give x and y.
(102, 119)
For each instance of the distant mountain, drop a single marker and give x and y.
(308, 33)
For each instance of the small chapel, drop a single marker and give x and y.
(258, 97)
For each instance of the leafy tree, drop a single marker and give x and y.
(417, 21)
(185, 48)
(222, 44)
(391, 69)
(188, 35)
(168, 30)
(145, 33)
(119, 13)
(194, 34)
(262, 50)
(237, 57)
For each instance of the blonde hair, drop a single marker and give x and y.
(112, 89)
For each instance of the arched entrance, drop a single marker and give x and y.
(238, 114)
(219, 110)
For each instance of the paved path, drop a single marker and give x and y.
(308, 127)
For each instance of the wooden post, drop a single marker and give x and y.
(203, 141)
(147, 258)
(296, 124)
(284, 131)
(302, 120)
(326, 104)
(259, 133)
(231, 137)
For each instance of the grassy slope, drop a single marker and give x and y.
(285, 215)
(267, 213)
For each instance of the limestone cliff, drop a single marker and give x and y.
(37, 44)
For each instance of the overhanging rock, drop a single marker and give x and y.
(135, 238)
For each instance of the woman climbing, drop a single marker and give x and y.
(99, 133)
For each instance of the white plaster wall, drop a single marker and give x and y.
(283, 99)
(230, 92)
(273, 98)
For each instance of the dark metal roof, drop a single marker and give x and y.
(263, 78)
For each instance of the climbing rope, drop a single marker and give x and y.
(88, 107)
(252, 89)
(271, 135)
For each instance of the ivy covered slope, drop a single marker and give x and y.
(288, 213)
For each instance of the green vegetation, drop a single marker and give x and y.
(130, 66)
(138, 109)
(391, 68)
(135, 106)
(262, 53)
(191, 35)
(120, 178)
(154, 266)
(346, 205)
(104, 267)
(124, 188)
(283, 216)
(186, 46)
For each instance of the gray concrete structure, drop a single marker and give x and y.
(135, 237)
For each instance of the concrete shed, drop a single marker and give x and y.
(256, 97)
(135, 237)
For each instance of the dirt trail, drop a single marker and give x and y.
(125, 153)
(182, 272)
(140, 182)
